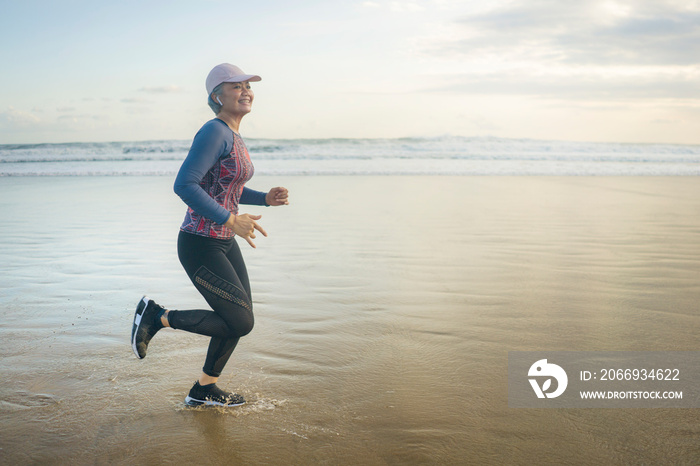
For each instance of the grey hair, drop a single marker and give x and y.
(213, 104)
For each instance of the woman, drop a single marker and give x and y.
(211, 182)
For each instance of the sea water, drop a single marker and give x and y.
(447, 155)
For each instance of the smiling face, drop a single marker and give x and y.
(236, 98)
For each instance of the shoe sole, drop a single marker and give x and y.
(137, 323)
(189, 401)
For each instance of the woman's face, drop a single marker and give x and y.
(237, 98)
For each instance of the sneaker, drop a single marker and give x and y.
(146, 324)
(211, 395)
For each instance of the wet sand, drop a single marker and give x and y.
(385, 309)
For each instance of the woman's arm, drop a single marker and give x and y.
(208, 145)
(276, 196)
(252, 197)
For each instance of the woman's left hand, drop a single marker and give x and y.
(277, 196)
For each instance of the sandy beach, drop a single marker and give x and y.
(385, 309)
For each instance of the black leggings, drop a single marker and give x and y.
(217, 270)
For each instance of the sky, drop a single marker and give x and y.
(579, 70)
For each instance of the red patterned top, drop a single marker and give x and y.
(223, 182)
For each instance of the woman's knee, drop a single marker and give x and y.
(247, 327)
(239, 327)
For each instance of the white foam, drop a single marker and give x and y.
(406, 156)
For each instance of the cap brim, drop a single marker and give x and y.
(242, 78)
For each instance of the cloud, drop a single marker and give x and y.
(603, 49)
(639, 32)
(81, 117)
(13, 118)
(406, 6)
(400, 6)
(595, 84)
(171, 88)
(134, 100)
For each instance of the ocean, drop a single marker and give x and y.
(447, 155)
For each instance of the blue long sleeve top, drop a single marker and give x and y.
(212, 177)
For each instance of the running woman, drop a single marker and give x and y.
(211, 182)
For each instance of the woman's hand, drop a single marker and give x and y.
(277, 196)
(244, 225)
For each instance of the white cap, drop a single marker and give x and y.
(227, 73)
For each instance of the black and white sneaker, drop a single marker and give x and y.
(146, 324)
(211, 395)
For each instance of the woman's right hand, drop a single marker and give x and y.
(244, 225)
